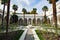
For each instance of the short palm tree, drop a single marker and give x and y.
(34, 12)
(24, 12)
(14, 17)
(45, 8)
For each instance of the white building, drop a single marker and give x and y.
(50, 13)
(29, 18)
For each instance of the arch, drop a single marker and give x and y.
(25, 21)
(29, 20)
(20, 21)
(38, 21)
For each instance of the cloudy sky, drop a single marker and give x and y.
(29, 5)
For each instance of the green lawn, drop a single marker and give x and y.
(46, 25)
(39, 35)
(14, 35)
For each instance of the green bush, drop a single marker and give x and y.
(14, 19)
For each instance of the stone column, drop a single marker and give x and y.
(31, 21)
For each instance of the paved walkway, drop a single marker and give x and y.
(29, 35)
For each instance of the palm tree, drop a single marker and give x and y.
(4, 2)
(45, 8)
(15, 7)
(53, 2)
(34, 12)
(24, 12)
(14, 17)
(7, 18)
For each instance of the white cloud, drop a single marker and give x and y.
(26, 1)
(40, 5)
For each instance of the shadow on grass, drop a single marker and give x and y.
(14, 35)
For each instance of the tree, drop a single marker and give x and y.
(7, 19)
(45, 8)
(15, 7)
(4, 2)
(24, 12)
(34, 12)
(14, 19)
(53, 2)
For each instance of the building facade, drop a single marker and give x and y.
(29, 19)
(50, 13)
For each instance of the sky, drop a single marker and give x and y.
(29, 5)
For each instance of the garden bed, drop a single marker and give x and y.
(43, 35)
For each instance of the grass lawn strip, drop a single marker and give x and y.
(39, 35)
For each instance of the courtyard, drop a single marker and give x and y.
(29, 19)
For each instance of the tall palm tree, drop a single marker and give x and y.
(53, 2)
(15, 7)
(4, 2)
(45, 8)
(24, 12)
(7, 18)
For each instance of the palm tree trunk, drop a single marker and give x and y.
(3, 14)
(54, 13)
(24, 19)
(45, 19)
(8, 11)
(45, 12)
(34, 20)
